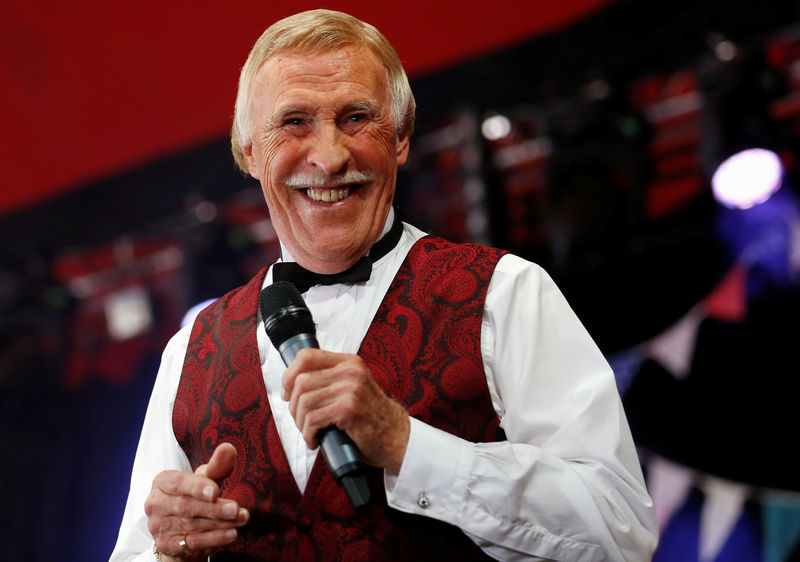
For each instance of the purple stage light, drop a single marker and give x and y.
(747, 178)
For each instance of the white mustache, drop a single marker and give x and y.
(345, 179)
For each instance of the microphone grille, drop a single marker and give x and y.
(284, 312)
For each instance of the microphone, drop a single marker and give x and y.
(290, 328)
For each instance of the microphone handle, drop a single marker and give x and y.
(292, 346)
(338, 449)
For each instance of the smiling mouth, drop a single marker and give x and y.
(329, 189)
(328, 195)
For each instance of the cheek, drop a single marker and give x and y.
(381, 147)
(275, 164)
(277, 157)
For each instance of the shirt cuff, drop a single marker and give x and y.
(433, 478)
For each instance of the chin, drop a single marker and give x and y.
(339, 256)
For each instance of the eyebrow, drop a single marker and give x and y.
(369, 105)
(281, 114)
(366, 105)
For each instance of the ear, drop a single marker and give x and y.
(252, 166)
(402, 149)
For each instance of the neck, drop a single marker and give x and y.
(286, 255)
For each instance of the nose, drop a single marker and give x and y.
(328, 150)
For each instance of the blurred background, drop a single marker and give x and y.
(611, 141)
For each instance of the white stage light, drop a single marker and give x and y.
(496, 127)
(747, 178)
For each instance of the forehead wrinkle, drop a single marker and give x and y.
(318, 86)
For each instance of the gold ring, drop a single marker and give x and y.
(184, 547)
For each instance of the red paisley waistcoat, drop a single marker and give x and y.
(423, 348)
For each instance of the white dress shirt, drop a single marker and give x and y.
(567, 484)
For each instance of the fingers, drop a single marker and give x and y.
(221, 463)
(185, 504)
(201, 545)
(325, 388)
(316, 368)
(186, 484)
(313, 360)
(181, 501)
(322, 399)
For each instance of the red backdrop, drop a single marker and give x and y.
(92, 87)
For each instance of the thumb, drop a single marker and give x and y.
(221, 463)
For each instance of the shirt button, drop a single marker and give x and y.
(423, 501)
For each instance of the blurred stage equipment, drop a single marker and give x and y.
(443, 187)
(128, 303)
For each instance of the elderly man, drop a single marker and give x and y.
(489, 420)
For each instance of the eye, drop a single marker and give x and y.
(294, 121)
(353, 122)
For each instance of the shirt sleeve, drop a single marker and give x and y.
(158, 450)
(567, 484)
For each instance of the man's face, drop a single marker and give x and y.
(326, 152)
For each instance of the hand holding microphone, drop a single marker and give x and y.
(328, 389)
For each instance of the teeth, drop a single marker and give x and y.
(327, 195)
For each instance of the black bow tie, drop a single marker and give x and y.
(304, 279)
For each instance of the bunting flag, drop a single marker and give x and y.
(674, 347)
(625, 366)
(728, 300)
(781, 522)
(669, 485)
(723, 505)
